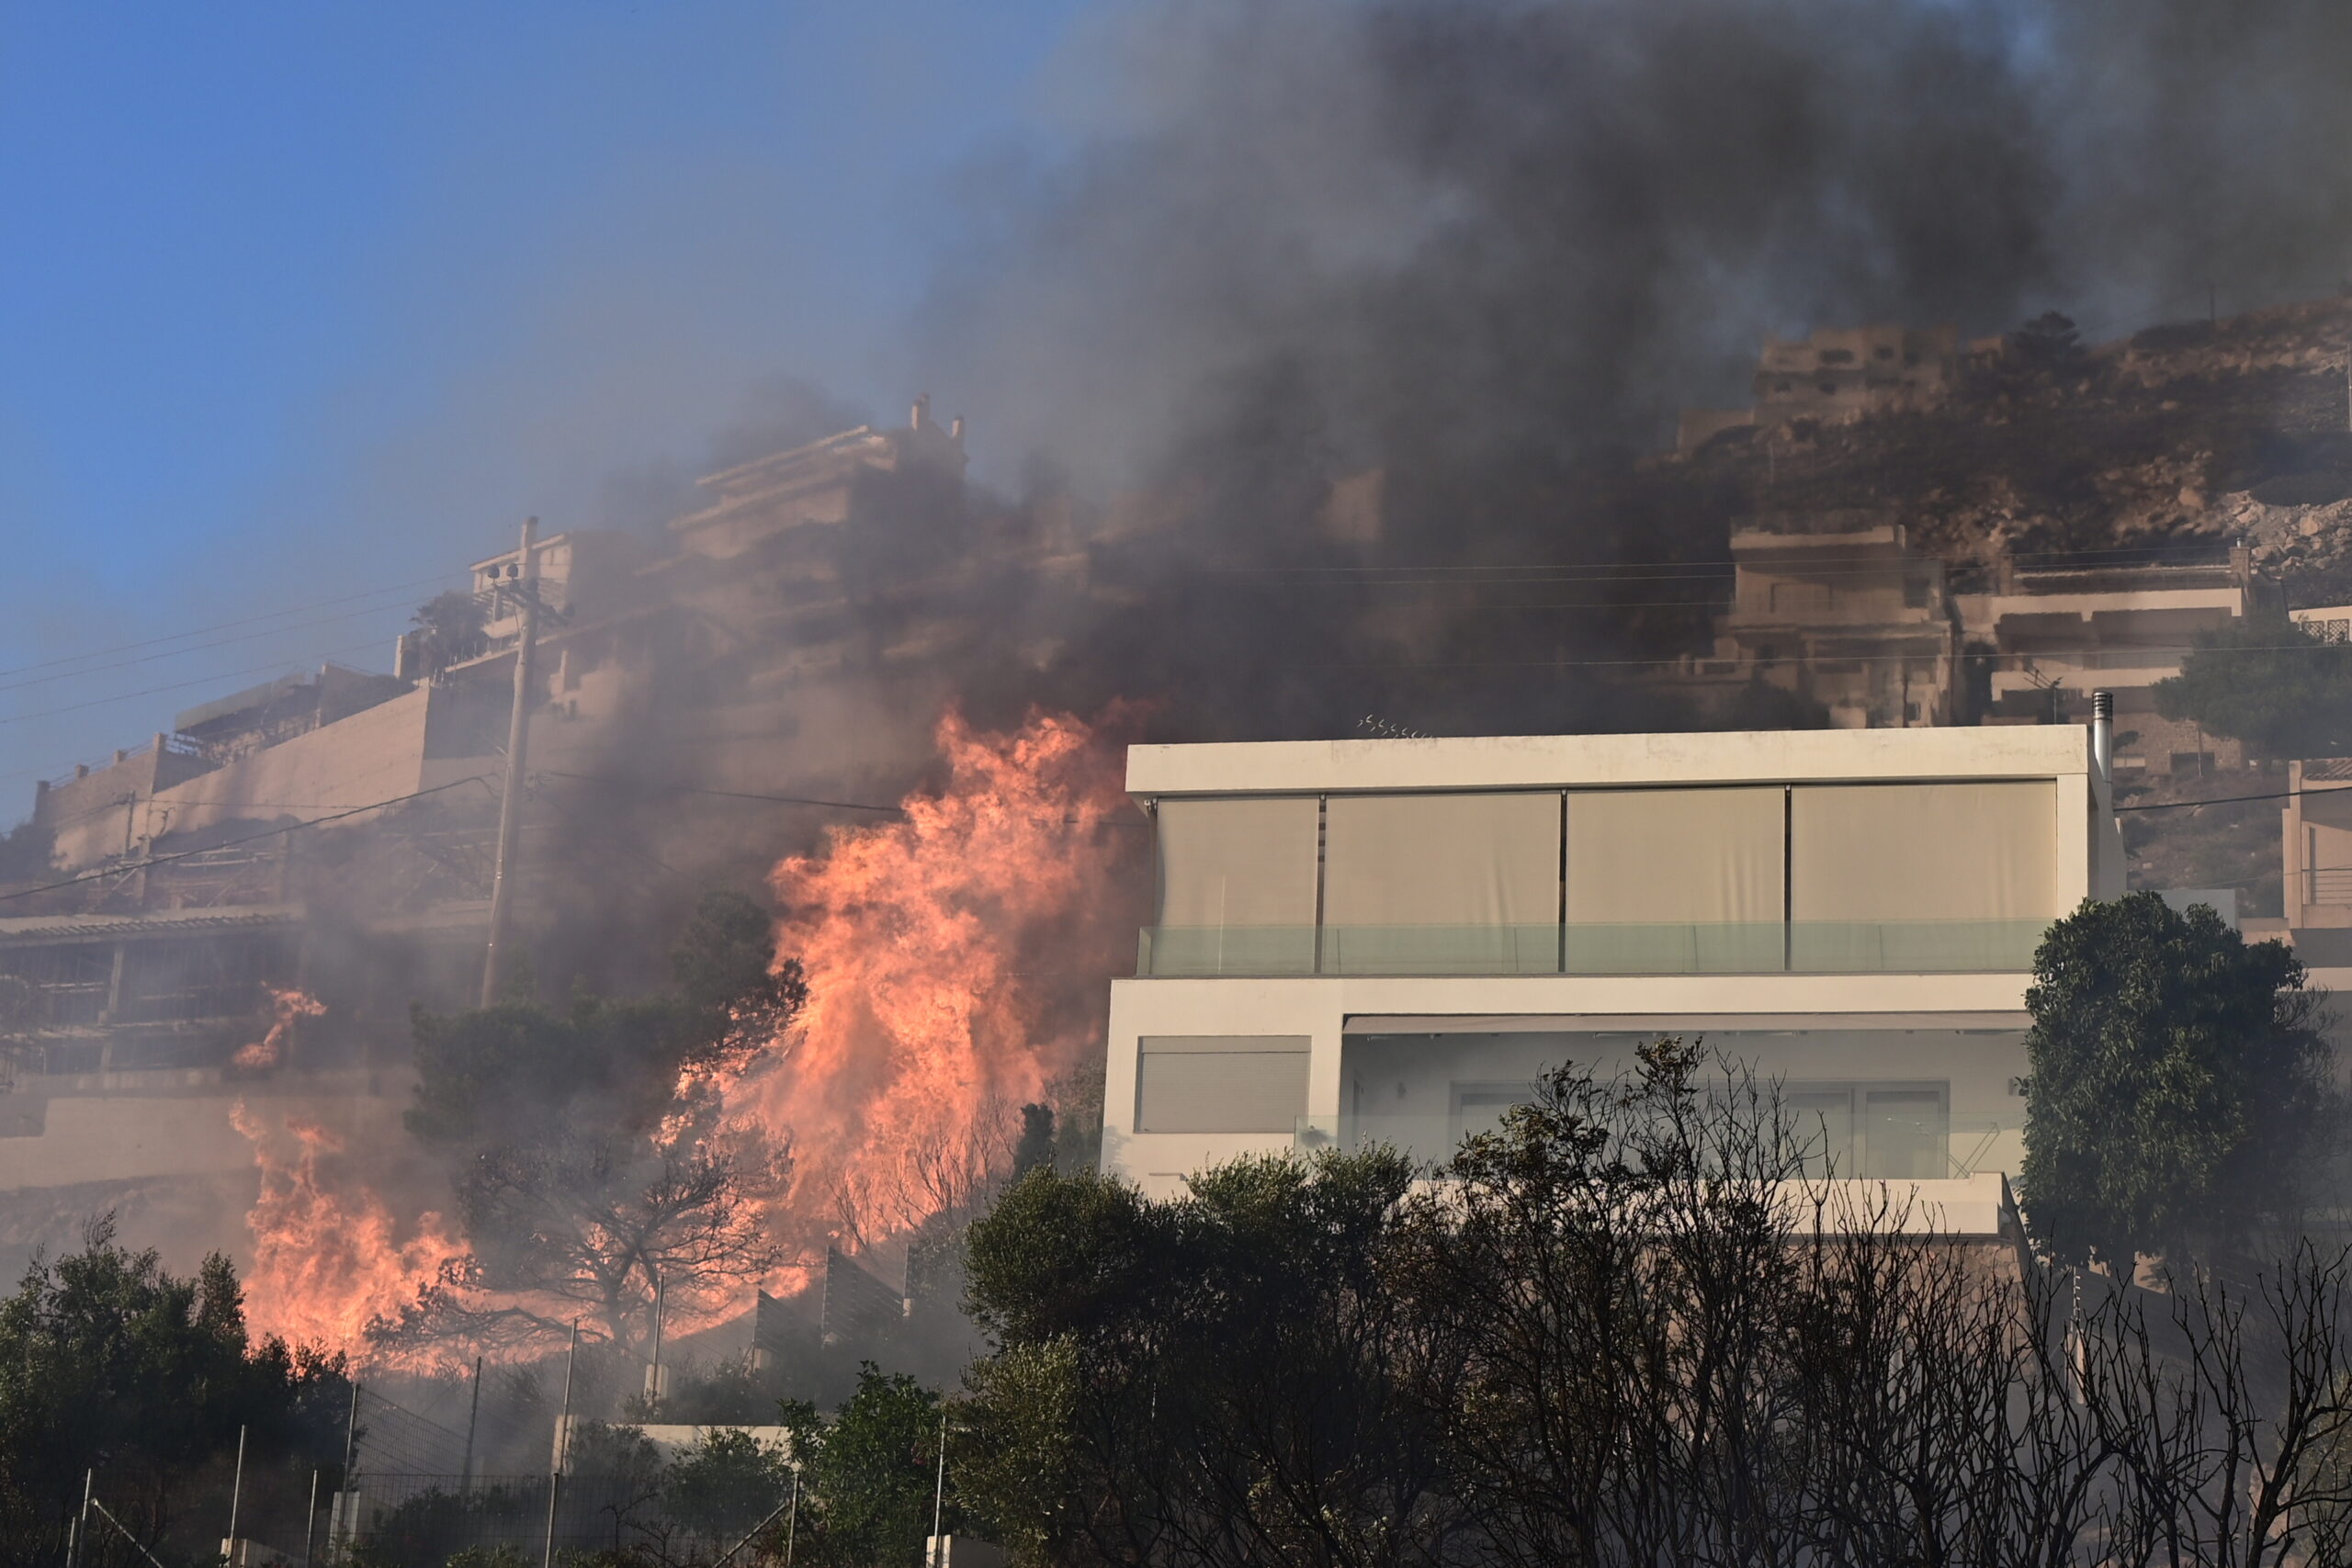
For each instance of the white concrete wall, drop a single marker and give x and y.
(1322, 1008)
(2089, 863)
(1521, 762)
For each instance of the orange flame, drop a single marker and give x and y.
(954, 961)
(327, 1269)
(290, 1007)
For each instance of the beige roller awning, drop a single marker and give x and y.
(1442, 860)
(1679, 1024)
(1923, 852)
(1237, 863)
(1209, 1083)
(1680, 856)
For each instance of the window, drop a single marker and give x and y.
(1216, 1083)
(1480, 1106)
(1674, 881)
(1820, 1120)
(1801, 598)
(1931, 877)
(1237, 887)
(1903, 1132)
(1882, 1131)
(1441, 883)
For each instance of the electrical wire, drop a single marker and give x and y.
(177, 685)
(1988, 656)
(231, 625)
(2222, 800)
(195, 648)
(2153, 555)
(651, 788)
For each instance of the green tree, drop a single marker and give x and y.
(449, 630)
(1035, 1147)
(871, 1472)
(1219, 1379)
(2180, 1087)
(2048, 344)
(736, 992)
(724, 1485)
(2268, 682)
(108, 1363)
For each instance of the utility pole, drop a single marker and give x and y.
(473, 1416)
(518, 738)
(562, 1446)
(236, 1495)
(343, 1513)
(653, 1373)
(939, 1492)
(82, 1523)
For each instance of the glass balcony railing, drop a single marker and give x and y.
(1958, 1144)
(1440, 950)
(1226, 950)
(1818, 947)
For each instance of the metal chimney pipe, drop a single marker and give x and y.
(2103, 733)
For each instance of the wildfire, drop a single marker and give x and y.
(954, 959)
(326, 1268)
(289, 1008)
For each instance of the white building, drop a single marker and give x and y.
(1390, 939)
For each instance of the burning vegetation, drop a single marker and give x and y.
(1399, 302)
(939, 951)
(833, 1083)
(331, 1266)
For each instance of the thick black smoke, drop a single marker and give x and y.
(1466, 226)
(1488, 247)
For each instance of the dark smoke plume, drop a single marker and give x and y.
(1488, 248)
(1456, 227)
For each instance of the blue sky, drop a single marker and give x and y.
(299, 302)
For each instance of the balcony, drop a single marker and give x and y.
(1816, 947)
(1937, 1144)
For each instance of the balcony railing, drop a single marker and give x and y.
(1817, 947)
(1943, 1146)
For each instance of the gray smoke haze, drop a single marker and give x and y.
(1434, 232)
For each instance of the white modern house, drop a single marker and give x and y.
(1391, 939)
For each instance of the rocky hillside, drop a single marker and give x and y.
(2191, 433)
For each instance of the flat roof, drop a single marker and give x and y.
(1544, 762)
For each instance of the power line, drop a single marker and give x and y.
(194, 648)
(2223, 800)
(229, 626)
(178, 685)
(651, 788)
(231, 843)
(2153, 555)
(1989, 654)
